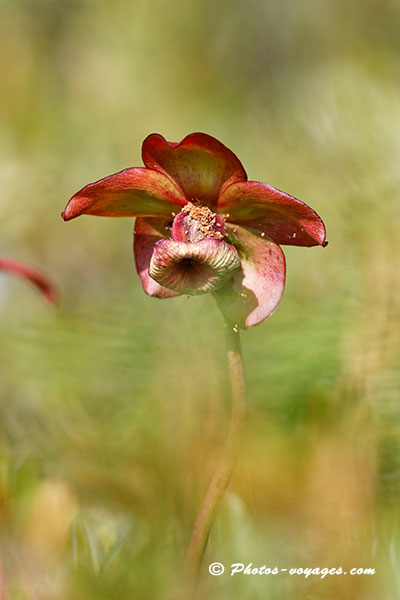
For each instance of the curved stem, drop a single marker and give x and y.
(14, 266)
(222, 475)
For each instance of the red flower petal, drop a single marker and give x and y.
(147, 233)
(199, 164)
(255, 290)
(129, 193)
(43, 284)
(262, 207)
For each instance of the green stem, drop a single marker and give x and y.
(2, 581)
(222, 475)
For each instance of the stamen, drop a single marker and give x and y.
(196, 222)
(206, 220)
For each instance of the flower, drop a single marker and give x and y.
(202, 226)
(39, 280)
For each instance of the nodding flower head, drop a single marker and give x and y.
(202, 226)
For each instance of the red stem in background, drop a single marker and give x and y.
(40, 281)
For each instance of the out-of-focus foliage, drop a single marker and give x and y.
(114, 406)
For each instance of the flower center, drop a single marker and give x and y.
(196, 259)
(193, 267)
(196, 222)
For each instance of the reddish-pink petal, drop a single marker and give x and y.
(255, 290)
(262, 207)
(129, 193)
(199, 164)
(39, 280)
(147, 233)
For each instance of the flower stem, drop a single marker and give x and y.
(222, 475)
(2, 581)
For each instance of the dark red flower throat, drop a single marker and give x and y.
(196, 259)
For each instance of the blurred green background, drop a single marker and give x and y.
(114, 406)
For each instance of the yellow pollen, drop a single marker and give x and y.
(205, 219)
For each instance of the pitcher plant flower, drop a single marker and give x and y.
(202, 227)
(41, 282)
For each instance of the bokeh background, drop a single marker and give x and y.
(114, 406)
